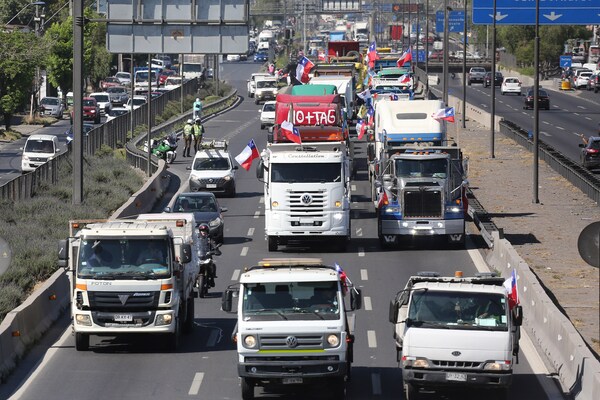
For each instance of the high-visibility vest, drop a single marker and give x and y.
(188, 130)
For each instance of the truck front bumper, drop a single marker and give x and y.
(422, 227)
(446, 379)
(98, 323)
(277, 371)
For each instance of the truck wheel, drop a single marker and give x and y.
(82, 341)
(247, 385)
(262, 127)
(188, 326)
(175, 337)
(342, 244)
(256, 101)
(201, 286)
(501, 394)
(272, 243)
(338, 389)
(412, 392)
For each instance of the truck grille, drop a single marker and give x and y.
(123, 301)
(468, 365)
(291, 342)
(307, 203)
(423, 203)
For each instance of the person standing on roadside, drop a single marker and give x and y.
(188, 132)
(197, 108)
(198, 132)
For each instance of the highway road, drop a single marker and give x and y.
(205, 366)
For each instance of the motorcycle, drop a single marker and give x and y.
(165, 149)
(208, 271)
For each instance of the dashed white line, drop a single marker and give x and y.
(256, 214)
(359, 232)
(196, 382)
(560, 127)
(376, 383)
(250, 232)
(546, 122)
(371, 339)
(545, 133)
(588, 118)
(236, 275)
(353, 188)
(261, 200)
(361, 252)
(576, 114)
(244, 251)
(582, 107)
(364, 275)
(367, 303)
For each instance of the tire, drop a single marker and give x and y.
(247, 386)
(469, 83)
(412, 393)
(202, 286)
(256, 101)
(272, 243)
(338, 389)
(232, 192)
(82, 341)
(188, 325)
(503, 93)
(174, 339)
(97, 120)
(262, 127)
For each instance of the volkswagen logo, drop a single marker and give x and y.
(306, 199)
(456, 353)
(291, 341)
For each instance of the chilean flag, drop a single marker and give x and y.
(303, 69)
(291, 133)
(447, 114)
(511, 288)
(372, 55)
(361, 127)
(247, 155)
(383, 199)
(343, 277)
(406, 57)
(404, 78)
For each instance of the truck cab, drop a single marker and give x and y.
(295, 324)
(251, 82)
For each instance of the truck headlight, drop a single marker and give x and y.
(333, 340)
(338, 203)
(163, 319)
(503, 365)
(414, 362)
(250, 341)
(454, 209)
(338, 216)
(391, 209)
(274, 203)
(83, 319)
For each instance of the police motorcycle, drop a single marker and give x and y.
(208, 268)
(165, 148)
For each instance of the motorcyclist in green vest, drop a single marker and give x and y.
(188, 132)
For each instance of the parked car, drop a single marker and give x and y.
(103, 100)
(511, 84)
(267, 114)
(109, 82)
(543, 99)
(590, 153)
(118, 95)
(52, 106)
(206, 210)
(91, 110)
(487, 81)
(594, 82)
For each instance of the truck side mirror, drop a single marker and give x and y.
(185, 254)
(260, 171)
(387, 178)
(465, 165)
(370, 152)
(167, 209)
(63, 253)
(518, 315)
(393, 312)
(227, 300)
(355, 299)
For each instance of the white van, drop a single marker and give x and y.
(38, 149)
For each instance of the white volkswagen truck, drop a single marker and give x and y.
(295, 324)
(307, 192)
(455, 333)
(131, 276)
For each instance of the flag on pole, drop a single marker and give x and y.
(406, 57)
(361, 127)
(291, 133)
(247, 155)
(510, 285)
(405, 79)
(303, 69)
(383, 198)
(446, 114)
(343, 277)
(372, 55)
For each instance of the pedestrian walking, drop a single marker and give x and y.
(198, 132)
(188, 132)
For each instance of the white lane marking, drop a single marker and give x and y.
(244, 251)
(588, 118)
(364, 275)
(560, 127)
(361, 252)
(196, 382)
(256, 214)
(582, 107)
(546, 122)
(478, 260)
(250, 232)
(545, 133)
(236, 275)
(261, 200)
(376, 383)
(576, 114)
(240, 129)
(371, 339)
(353, 188)
(50, 353)
(367, 303)
(359, 231)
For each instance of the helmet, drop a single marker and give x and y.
(189, 121)
(203, 228)
(197, 98)
(198, 120)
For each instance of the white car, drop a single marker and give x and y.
(233, 57)
(582, 79)
(38, 150)
(172, 82)
(251, 83)
(511, 84)
(213, 169)
(103, 100)
(116, 112)
(267, 114)
(137, 102)
(124, 78)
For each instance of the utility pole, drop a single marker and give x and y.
(446, 50)
(427, 47)
(36, 81)
(78, 22)
(464, 71)
(493, 98)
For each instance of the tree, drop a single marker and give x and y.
(20, 53)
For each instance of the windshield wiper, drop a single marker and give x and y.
(261, 310)
(305, 311)
(143, 275)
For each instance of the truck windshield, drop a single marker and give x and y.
(421, 168)
(266, 84)
(276, 301)
(192, 67)
(458, 310)
(124, 259)
(306, 173)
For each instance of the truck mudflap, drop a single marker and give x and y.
(276, 369)
(449, 379)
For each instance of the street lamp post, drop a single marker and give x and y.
(36, 85)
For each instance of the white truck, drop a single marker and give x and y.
(345, 87)
(307, 192)
(251, 82)
(132, 277)
(295, 324)
(192, 66)
(455, 333)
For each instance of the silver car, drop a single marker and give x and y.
(118, 95)
(52, 106)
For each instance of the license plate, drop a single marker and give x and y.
(211, 185)
(455, 376)
(291, 381)
(123, 318)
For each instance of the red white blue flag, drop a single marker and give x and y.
(343, 277)
(510, 285)
(361, 128)
(406, 57)
(405, 79)
(247, 155)
(446, 114)
(303, 69)
(372, 55)
(291, 133)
